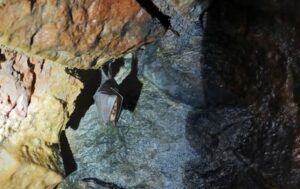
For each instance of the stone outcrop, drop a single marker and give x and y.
(147, 149)
(80, 34)
(34, 109)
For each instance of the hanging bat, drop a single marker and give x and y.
(108, 99)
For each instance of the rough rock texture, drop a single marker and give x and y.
(147, 149)
(173, 61)
(34, 109)
(37, 95)
(80, 34)
(253, 53)
(240, 77)
(150, 147)
(218, 105)
(17, 79)
(182, 12)
(248, 140)
(247, 129)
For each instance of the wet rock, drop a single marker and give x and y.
(253, 54)
(239, 150)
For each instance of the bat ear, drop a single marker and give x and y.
(103, 77)
(134, 64)
(109, 72)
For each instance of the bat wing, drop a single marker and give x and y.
(105, 104)
(119, 103)
(109, 102)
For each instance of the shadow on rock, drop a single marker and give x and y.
(239, 150)
(131, 87)
(115, 66)
(67, 155)
(249, 143)
(91, 80)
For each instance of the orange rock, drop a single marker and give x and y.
(36, 100)
(80, 34)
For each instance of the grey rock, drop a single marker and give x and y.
(252, 53)
(173, 72)
(182, 17)
(176, 64)
(147, 149)
(218, 107)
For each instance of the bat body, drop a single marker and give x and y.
(108, 100)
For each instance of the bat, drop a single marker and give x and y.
(108, 100)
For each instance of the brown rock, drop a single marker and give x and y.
(80, 34)
(36, 99)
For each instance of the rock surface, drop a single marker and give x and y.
(80, 34)
(249, 140)
(242, 120)
(174, 60)
(147, 149)
(37, 95)
(181, 12)
(215, 105)
(34, 110)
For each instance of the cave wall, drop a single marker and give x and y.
(236, 67)
(218, 104)
(251, 54)
(34, 110)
